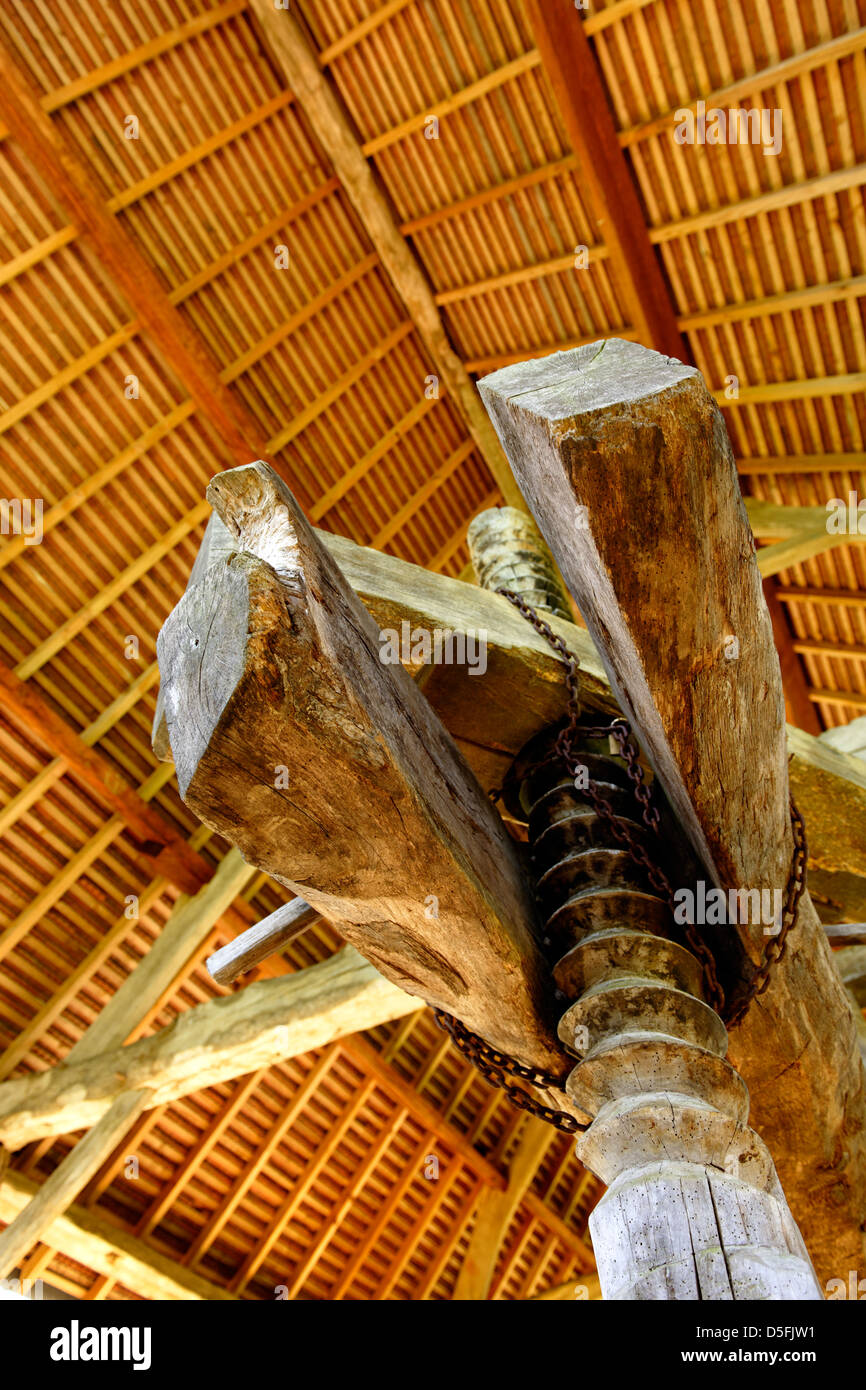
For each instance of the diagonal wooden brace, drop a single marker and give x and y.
(327, 767)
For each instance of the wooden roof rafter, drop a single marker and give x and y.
(773, 305)
(74, 185)
(294, 59)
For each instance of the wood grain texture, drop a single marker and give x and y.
(208, 1045)
(285, 41)
(624, 459)
(492, 715)
(522, 691)
(678, 1232)
(271, 661)
(101, 1245)
(653, 1075)
(69, 1177)
(216, 545)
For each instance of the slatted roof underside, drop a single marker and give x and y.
(765, 257)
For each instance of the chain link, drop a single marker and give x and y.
(494, 1065)
(621, 732)
(497, 1066)
(777, 946)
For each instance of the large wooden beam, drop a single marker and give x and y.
(492, 715)
(98, 1244)
(522, 691)
(216, 545)
(285, 41)
(626, 465)
(295, 739)
(265, 1023)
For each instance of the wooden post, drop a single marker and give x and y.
(723, 1236)
(298, 735)
(623, 458)
(693, 1207)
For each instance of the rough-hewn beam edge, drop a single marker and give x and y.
(96, 1243)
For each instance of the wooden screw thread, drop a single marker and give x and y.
(694, 1209)
(508, 553)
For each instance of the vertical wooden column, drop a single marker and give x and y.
(694, 1208)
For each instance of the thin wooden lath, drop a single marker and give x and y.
(765, 259)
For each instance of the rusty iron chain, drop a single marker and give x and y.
(777, 945)
(621, 732)
(494, 1065)
(622, 831)
(497, 1066)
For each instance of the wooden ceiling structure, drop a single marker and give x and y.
(155, 333)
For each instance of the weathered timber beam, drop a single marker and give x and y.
(257, 943)
(216, 544)
(625, 462)
(292, 56)
(522, 691)
(272, 668)
(846, 933)
(100, 1245)
(770, 521)
(493, 714)
(212, 1043)
(69, 1177)
(848, 738)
